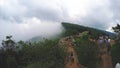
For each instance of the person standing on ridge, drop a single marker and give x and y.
(107, 41)
(71, 57)
(101, 41)
(101, 44)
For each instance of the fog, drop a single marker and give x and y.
(26, 19)
(30, 28)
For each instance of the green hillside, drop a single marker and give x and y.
(73, 29)
(50, 54)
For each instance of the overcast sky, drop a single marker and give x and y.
(25, 19)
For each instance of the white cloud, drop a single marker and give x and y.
(25, 19)
(29, 28)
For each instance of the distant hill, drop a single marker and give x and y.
(36, 39)
(40, 38)
(73, 29)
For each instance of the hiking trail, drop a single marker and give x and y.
(106, 59)
(75, 63)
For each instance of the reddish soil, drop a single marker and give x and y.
(106, 59)
(69, 63)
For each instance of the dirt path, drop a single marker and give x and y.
(106, 59)
(75, 63)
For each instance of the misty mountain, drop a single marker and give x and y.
(37, 38)
(41, 38)
(73, 29)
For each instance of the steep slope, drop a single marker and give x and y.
(70, 62)
(72, 29)
(75, 63)
(106, 59)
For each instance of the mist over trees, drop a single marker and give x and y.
(49, 54)
(46, 54)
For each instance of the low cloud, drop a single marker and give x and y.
(25, 19)
(30, 28)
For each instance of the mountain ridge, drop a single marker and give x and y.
(73, 29)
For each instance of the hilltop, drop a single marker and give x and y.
(72, 29)
(72, 49)
(87, 51)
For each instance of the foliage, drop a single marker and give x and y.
(7, 53)
(116, 48)
(73, 29)
(115, 53)
(117, 31)
(86, 51)
(8, 44)
(46, 54)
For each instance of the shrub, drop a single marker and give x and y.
(86, 51)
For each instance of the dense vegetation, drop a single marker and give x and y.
(116, 47)
(73, 29)
(45, 54)
(86, 51)
(48, 54)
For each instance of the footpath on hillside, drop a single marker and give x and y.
(71, 58)
(106, 59)
(72, 62)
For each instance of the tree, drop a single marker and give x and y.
(8, 44)
(46, 54)
(43, 54)
(8, 54)
(86, 51)
(117, 31)
(116, 47)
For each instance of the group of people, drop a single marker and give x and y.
(104, 41)
(71, 56)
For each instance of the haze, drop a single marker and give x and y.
(25, 19)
